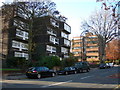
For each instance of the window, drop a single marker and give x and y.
(64, 35)
(64, 50)
(22, 34)
(76, 52)
(76, 47)
(26, 55)
(92, 46)
(19, 45)
(19, 32)
(51, 48)
(54, 40)
(92, 51)
(46, 69)
(48, 48)
(20, 24)
(52, 32)
(15, 44)
(54, 22)
(67, 42)
(18, 54)
(93, 42)
(67, 27)
(92, 56)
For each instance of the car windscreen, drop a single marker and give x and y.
(42, 69)
(102, 64)
(78, 64)
(31, 68)
(67, 68)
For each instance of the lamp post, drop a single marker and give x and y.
(83, 52)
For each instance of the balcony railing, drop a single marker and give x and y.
(22, 34)
(66, 42)
(51, 49)
(54, 40)
(19, 45)
(18, 54)
(67, 28)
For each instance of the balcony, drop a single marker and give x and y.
(65, 27)
(64, 35)
(54, 40)
(51, 32)
(66, 42)
(50, 49)
(54, 23)
(22, 34)
(19, 54)
(64, 50)
(21, 46)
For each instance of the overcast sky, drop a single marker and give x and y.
(75, 10)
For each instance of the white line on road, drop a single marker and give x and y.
(86, 77)
(56, 84)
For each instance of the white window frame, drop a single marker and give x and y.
(64, 35)
(19, 54)
(66, 42)
(67, 27)
(19, 45)
(64, 50)
(24, 37)
(54, 22)
(51, 49)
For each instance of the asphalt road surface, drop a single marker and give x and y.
(96, 78)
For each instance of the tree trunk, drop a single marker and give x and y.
(102, 45)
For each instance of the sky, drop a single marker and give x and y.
(76, 11)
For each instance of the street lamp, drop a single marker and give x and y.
(83, 52)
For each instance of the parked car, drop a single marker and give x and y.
(67, 70)
(111, 65)
(104, 65)
(38, 72)
(82, 66)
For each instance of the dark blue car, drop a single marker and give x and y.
(67, 70)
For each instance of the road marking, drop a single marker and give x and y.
(117, 87)
(86, 77)
(56, 84)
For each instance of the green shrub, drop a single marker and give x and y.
(67, 62)
(48, 61)
(17, 62)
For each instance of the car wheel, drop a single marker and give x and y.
(88, 70)
(75, 72)
(53, 74)
(39, 76)
(66, 73)
(81, 70)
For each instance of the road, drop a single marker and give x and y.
(96, 78)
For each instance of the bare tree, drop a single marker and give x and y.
(101, 23)
(32, 10)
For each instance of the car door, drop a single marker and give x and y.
(40, 71)
(47, 71)
(84, 66)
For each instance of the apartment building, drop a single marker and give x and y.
(14, 34)
(51, 35)
(86, 47)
